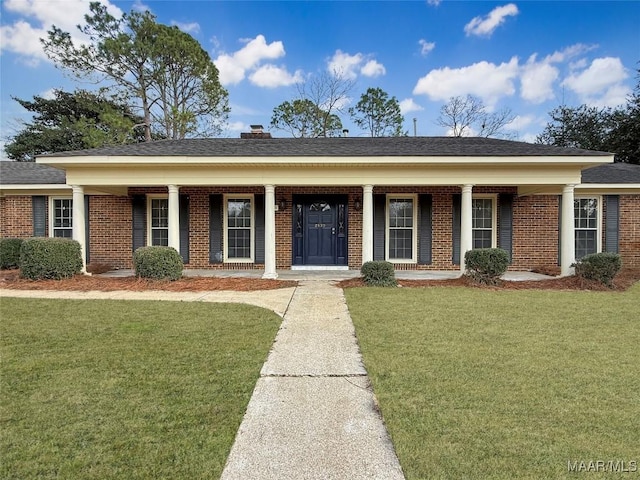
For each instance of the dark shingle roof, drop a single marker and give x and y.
(333, 147)
(30, 173)
(612, 173)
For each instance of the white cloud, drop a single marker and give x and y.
(344, 64)
(537, 80)
(486, 80)
(520, 122)
(484, 26)
(409, 105)
(23, 36)
(238, 127)
(349, 66)
(600, 75)
(373, 69)
(138, 6)
(49, 94)
(233, 67)
(434, 3)
(426, 47)
(271, 76)
(193, 27)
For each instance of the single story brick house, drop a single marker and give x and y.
(258, 202)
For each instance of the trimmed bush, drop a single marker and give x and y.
(158, 263)
(601, 267)
(486, 265)
(379, 274)
(50, 258)
(10, 252)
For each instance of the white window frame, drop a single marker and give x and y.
(52, 211)
(225, 239)
(150, 199)
(598, 228)
(387, 222)
(494, 216)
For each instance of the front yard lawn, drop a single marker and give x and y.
(474, 383)
(122, 389)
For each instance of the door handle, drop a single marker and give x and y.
(333, 230)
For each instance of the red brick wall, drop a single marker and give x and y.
(629, 233)
(16, 217)
(110, 231)
(535, 232)
(535, 226)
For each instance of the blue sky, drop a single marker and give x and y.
(529, 56)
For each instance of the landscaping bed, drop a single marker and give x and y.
(11, 279)
(625, 279)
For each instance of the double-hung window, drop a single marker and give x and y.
(239, 228)
(587, 227)
(401, 229)
(61, 217)
(483, 222)
(158, 221)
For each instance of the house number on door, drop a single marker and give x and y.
(320, 225)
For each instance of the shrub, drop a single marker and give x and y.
(601, 267)
(378, 274)
(486, 265)
(159, 263)
(10, 252)
(55, 258)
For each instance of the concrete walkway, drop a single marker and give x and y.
(313, 414)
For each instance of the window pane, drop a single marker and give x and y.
(586, 242)
(159, 213)
(63, 233)
(401, 244)
(401, 213)
(239, 243)
(239, 228)
(400, 229)
(482, 213)
(239, 213)
(482, 239)
(160, 237)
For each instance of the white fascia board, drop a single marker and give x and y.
(614, 188)
(35, 189)
(98, 161)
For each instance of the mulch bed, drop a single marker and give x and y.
(621, 282)
(11, 279)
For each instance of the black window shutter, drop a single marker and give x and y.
(139, 221)
(505, 234)
(559, 229)
(425, 227)
(455, 228)
(611, 235)
(215, 229)
(87, 234)
(39, 206)
(184, 228)
(379, 203)
(259, 228)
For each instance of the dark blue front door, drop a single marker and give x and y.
(319, 230)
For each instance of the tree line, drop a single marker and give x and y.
(157, 82)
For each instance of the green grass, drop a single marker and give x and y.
(486, 384)
(114, 389)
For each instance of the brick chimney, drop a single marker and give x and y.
(257, 131)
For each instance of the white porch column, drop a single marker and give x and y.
(270, 232)
(174, 217)
(567, 232)
(78, 223)
(466, 224)
(367, 223)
